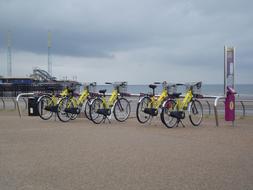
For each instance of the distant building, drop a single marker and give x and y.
(39, 81)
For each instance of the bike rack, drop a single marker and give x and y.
(17, 99)
(209, 107)
(206, 98)
(244, 107)
(216, 101)
(26, 103)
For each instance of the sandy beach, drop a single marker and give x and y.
(50, 155)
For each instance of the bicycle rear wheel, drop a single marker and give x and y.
(141, 115)
(166, 118)
(87, 109)
(63, 104)
(96, 116)
(45, 102)
(121, 109)
(196, 112)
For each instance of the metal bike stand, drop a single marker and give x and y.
(17, 100)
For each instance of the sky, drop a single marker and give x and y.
(139, 41)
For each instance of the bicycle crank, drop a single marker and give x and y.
(104, 112)
(151, 111)
(72, 110)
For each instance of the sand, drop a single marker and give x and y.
(51, 155)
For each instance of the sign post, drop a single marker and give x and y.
(229, 83)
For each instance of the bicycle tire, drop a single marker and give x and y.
(96, 117)
(121, 109)
(71, 100)
(44, 102)
(167, 120)
(61, 114)
(87, 109)
(196, 112)
(141, 116)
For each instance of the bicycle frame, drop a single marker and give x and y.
(54, 100)
(111, 100)
(156, 103)
(81, 99)
(183, 104)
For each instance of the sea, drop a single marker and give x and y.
(243, 90)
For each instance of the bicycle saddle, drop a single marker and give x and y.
(153, 86)
(102, 91)
(176, 95)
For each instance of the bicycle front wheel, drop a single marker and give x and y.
(166, 118)
(121, 109)
(43, 106)
(95, 111)
(196, 112)
(140, 114)
(71, 104)
(63, 104)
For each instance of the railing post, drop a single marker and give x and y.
(13, 99)
(3, 103)
(215, 109)
(243, 109)
(209, 107)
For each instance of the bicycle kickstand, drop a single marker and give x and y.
(180, 121)
(105, 117)
(151, 118)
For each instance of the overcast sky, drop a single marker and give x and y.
(139, 41)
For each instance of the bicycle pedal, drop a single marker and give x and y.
(51, 108)
(151, 111)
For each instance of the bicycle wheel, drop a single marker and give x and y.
(87, 109)
(121, 109)
(42, 105)
(62, 115)
(141, 115)
(166, 118)
(71, 103)
(96, 117)
(196, 112)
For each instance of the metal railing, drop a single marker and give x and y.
(17, 100)
(209, 100)
(4, 101)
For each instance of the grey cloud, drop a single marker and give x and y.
(187, 32)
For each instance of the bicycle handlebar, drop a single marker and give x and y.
(93, 84)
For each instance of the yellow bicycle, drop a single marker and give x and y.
(101, 109)
(70, 106)
(47, 103)
(149, 105)
(173, 110)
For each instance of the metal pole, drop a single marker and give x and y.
(49, 54)
(9, 62)
(215, 109)
(225, 70)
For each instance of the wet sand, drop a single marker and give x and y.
(51, 155)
